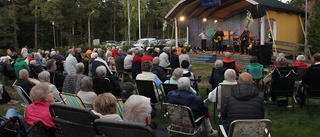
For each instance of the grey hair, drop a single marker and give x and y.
(177, 73)
(108, 53)
(166, 49)
(80, 67)
(101, 71)
(23, 73)
(230, 75)
(218, 63)
(184, 83)
(43, 76)
(39, 91)
(136, 109)
(94, 55)
(53, 53)
(301, 58)
(33, 62)
(156, 60)
(228, 55)
(86, 84)
(100, 53)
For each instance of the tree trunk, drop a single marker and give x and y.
(114, 19)
(36, 28)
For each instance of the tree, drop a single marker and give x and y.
(314, 29)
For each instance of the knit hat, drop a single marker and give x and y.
(89, 52)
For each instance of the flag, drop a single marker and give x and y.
(248, 17)
(164, 25)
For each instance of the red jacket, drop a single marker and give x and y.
(39, 110)
(300, 64)
(146, 57)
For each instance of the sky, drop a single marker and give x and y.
(285, 1)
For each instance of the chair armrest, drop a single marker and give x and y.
(223, 131)
(267, 132)
(199, 119)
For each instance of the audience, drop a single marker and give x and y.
(300, 62)
(230, 79)
(164, 58)
(156, 69)
(105, 106)
(19, 65)
(174, 59)
(93, 56)
(41, 95)
(102, 84)
(119, 61)
(156, 52)
(127, 63)
(56, 78)
(44, 77)
(255, 69)
(24, 82)
(217, 74)
(86, 93)
(136, 64)
(138, 109)
(185, 56)
(110, 60)
(244, 102)
(71, 61)
(74, 79)
(184, 97)
(176, 74)
(128, 89)
(147, 56)
(227, 60)
(85, 61)
(99, 61)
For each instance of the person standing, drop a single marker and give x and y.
(245, 40)
(203, 35)
(71, 62)
(218, 38)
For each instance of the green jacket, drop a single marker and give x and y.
(19, 65)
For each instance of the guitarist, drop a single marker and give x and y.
(245, 40)
(218, 37)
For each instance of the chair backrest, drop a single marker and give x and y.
(10, 127)
(313, 89)
(147, 88)
(256, 72)
(283, 80)
(108, 128)
(71, 100)
(180, 116)
(216, 78)
(169, 87)
(223, 93)
(72, 121)
(120, 104)
(24, 96)
(250, 128)
(102, 85)
(230, 65)
(38, 129)
(301, 73)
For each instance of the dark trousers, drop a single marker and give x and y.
(244, 47)
(203, 44)
(219, 47)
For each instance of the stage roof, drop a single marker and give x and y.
(227, 8)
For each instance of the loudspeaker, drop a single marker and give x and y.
(263, 52)
(157, 24)
(257, 11)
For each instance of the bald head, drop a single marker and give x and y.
(156, 60)
(245, 78)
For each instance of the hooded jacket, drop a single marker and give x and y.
(19, 65)
(243, 102)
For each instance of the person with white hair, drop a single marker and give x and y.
(93, 56)
(176, 74)
(74, 79)
(127, 63)
(44, 77)
(105, 83)
(164, 57)
(185, 56)
(229, 78)
(110, 60)
(23, 81)
(156, 52)
(228, 62)
(71, 61)
(156, 69)
(184, 97)
(99, 61)
(86, 93)
(300, 63)
(138, 109)
(217, 74)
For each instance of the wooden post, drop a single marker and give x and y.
(274, 43)
(305, 37)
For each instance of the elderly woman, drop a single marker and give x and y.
(300, 62)
(176, 74)
(217, 74)
(105, 106)
(42, 96)
(44, 77)
(102, 84)
(93, 56)
(128, 89)
(86, 93)
(111, 62)
(74, 79)
(229, 78)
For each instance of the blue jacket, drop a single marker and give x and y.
(187, 98)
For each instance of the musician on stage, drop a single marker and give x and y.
(203, 35)
(218, 38)
(245, 40)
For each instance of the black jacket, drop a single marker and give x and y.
(243, 102)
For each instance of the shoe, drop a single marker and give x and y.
(212, 132)
(12, 102)
(296, 100)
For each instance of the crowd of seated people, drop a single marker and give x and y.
(99, 88)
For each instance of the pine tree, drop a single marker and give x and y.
(314, 29)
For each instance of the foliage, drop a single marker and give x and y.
(314, 29)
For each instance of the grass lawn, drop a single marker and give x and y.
(284, 123)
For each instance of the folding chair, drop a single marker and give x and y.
(120, 104)
(181, 120)
(148, 89)
(23, 95)
(282, 85)
(169, 87)
(124, 76)
(71, 100)
(9, 128)
(72, 121)
(230, 65)
(38, 129)
(257, 75)
(108, 128)
(248, 128)
(221, 96)
(312, 89)
(300, 73)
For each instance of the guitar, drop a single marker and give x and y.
(216, 40)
